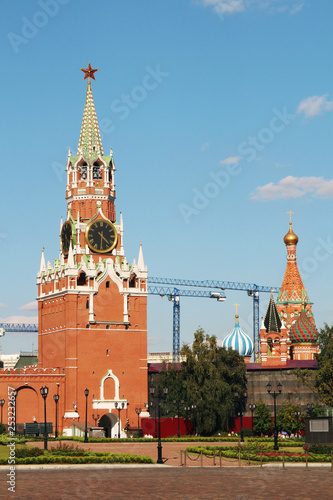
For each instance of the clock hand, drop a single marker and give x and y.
(101, 235)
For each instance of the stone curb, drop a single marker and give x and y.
(83, 466)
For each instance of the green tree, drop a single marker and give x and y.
(287, 420)
(324, 375)
(209, 378)
(262, 419)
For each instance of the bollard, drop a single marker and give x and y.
(248, 458)
(201, 458)
(260, 458)
(306, 460)
(185, 458)
(220, 459)
(214, 458)
(283, 459)
(331, 461)
(239, 457)
(181, 458)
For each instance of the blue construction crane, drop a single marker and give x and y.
(173, 294)
(18, 327)
(251, 289)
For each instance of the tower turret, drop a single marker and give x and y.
(292, 292)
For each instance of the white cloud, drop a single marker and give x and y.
(230, 7)
(31, 306)
(296, 8)
(315, 105)
(3, 305)
(205, 146)
(226, 6)
(230, 160)
(294, 187)
(20, 319)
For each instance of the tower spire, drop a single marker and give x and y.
(90, 142)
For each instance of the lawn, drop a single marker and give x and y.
(4, 450)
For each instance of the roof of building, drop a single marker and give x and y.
(302, 330)
(159, 367)
(292, 288)
(290, 238)
(90, 138)
(291, 364)
(272, 320)
(26, 360)
(238, 340)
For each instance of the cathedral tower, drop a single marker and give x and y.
(289, 330)
(92, 304)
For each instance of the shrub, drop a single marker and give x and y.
(68, 449)
(321, 449)
(247, 433)
(2, 428)
(28, 452)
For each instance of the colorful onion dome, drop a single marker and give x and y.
(302, 330)
(238, 340)
(290, 238)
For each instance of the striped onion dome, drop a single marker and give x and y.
(303, 331)
(238, 340)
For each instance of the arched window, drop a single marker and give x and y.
(82, 279)
(83, 168)
(97, 174)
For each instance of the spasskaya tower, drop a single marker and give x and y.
(92, 304)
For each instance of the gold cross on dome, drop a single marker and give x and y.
(289, 213)
(236, 305)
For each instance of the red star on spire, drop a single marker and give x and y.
(89, 72)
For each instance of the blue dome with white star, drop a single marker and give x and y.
(238, 340)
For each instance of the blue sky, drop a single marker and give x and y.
(219, 113)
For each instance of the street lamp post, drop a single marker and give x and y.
(297, 414)
(159, 445)
(44, 392)
(56, 399)
(176, 401)
(95, 418)
(310, 409)
(193, 407)
(117, 406)
(186, 409)
(138, 411)
(275, 395)
(86, 393)
(2, 402)
(252, 407)
(240, 412)
(155, 421)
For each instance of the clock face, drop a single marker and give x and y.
(101, 236)
(66, 237)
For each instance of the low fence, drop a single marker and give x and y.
(217, 457)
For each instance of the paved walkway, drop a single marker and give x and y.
(165, 482)
(171, 483)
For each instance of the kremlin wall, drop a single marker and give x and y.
(92, 313)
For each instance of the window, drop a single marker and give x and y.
(107, 284)
(97, 173)
(82, 279)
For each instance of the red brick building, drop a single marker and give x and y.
(92, 305)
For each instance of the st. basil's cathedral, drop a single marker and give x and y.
(288, 331)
